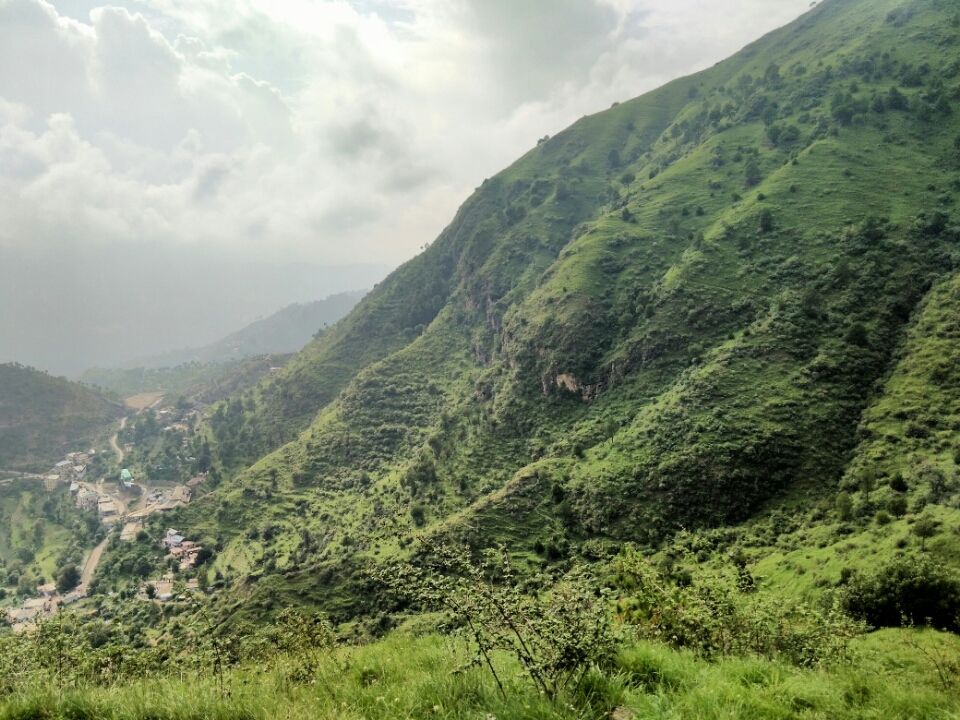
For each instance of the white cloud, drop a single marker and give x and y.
(322, 130)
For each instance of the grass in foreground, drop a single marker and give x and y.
(897, 674)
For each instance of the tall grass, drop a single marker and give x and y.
(404, 677)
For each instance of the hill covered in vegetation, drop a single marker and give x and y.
(670, 315)
(41, 532)
(43, 417)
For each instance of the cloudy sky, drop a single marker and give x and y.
(307, 131)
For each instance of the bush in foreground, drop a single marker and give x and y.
(909, 590)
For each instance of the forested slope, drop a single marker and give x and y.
(670, 315)
(42, 417)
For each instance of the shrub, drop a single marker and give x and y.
(844, 507)
(857, 335)
(715, 615)
(766, 221)
(896, 100)
(67, 578)
(751, 173)
(897, 506)
(557, 638)
(910, 590)
(898, 484)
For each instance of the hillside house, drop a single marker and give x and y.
(126, 478)
(186, 553)
(173, 539)
(107, 510)
(196, 481)
(181, 494)
(87, 499)
(80, 457)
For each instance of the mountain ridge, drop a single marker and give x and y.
(664, 317)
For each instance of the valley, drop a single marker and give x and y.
(121, 507)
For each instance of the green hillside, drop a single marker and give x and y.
(43, 417)
(40, 532)
(669, 315)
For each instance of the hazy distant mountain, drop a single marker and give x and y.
(76, 309)
(286, 331)
(200, 382)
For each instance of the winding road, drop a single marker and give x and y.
(114, 441)
(93, 559)
(12, 475)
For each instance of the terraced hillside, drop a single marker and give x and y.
(678, 313)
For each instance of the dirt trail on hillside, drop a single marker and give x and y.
(114, 441)
(90, 567)
(18, 475)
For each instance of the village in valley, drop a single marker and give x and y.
(122, 504)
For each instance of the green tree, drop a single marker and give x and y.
(751, 172)
(844, 506)
(766, 221)
(897, 505)
(68, 577)
(924, 528)
(857, 335)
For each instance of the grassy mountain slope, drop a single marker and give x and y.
(42, 417)
(672, 314)
(899, 495)
(40, 531)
